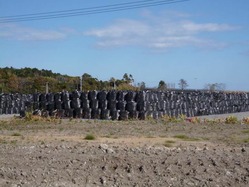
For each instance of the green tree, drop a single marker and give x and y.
(26, 85)
(90, 83)
(162, 85)
(12, 83)
(128, 78)
(113, 83)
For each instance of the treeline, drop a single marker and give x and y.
(32, 80)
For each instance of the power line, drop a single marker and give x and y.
(73, 10)
(86, 11)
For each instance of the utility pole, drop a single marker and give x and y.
(46, 87)
(114, 84)
(81, 83)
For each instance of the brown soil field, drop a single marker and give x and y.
(75, 152)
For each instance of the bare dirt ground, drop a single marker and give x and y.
(123, 153)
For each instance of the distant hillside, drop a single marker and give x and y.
(29, 72)
(31, 80)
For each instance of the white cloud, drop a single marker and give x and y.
(159, 32)
(16, 32)
(206, 27)
(120, 29)
(180, 41)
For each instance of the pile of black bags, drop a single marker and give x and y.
(123, 105)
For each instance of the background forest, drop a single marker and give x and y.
(31, 80)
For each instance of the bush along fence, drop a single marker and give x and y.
(122, 105)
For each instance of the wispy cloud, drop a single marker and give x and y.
(159, 32)
(15, 32)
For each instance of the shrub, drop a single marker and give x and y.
(231, 120)
(182, 117)
(28, 116)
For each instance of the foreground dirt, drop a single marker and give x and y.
(129, 153)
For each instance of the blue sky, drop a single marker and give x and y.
(201, 41)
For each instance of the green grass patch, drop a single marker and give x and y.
(245, 132)
(150, 136)
(42, 143)
(90, 137)
(246, 140)
(13, 142)
(2, 141)
(169, 143)
(185, 138)
(107, 136)
(16, 134)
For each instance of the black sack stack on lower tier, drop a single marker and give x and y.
(84, 102)
(112, 105)
(123, 105)
(130, 106)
